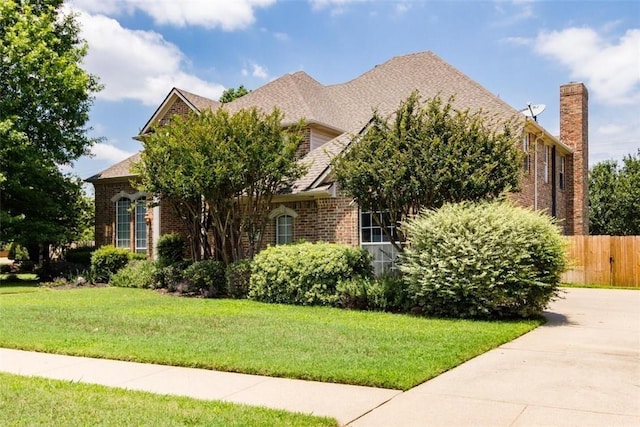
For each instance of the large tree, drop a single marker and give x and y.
(221, 170)
(45, 97)
(424, 155)
(614, 197)
(232, 93)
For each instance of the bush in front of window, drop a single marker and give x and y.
(238, 275)
(305, 273)
(170, 249)
(136, 274)
(361, 293)
(80, 255)
(484, 260)
(106, 261)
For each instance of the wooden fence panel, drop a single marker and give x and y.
(603, 260)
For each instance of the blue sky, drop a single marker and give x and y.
(520, 50)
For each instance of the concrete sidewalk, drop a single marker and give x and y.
(580, 369)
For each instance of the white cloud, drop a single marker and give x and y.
(138, 65)
(610, 69)
(102, 151)
(224, 14)
(259, 71)
(611, 129)
(513, 12)
(337, 6)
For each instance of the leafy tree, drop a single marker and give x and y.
(614, 197)
(424, 156)
(222, 170)
(45, 98)
(230, 94)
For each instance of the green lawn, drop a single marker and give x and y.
(27, 401)
(317, 343)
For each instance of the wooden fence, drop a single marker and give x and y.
(603, 260)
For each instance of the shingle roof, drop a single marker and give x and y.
(119, 170)
(349, 106)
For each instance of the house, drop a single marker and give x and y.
(554, 171)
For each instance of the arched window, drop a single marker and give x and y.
(284, 229)
(284, 217)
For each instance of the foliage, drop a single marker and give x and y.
(171, 277)
(234, 163)
(206, 277)
(426, 155)
(483, 260)
(45, 97)
(17, 252)
(361, 293)
(136, 274)
(170, 249)
(55, 270)
(313, 343)
(230, 94)
(238, 276)
(106, 261)
(31, 401)
(306, 273)
(80, 255)
(614, 197)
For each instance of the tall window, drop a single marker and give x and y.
(525, 148)
(561, 176)
(547, 157)
(131, 226)
(123, 223)
(284, 229)
(374, 240)
(141, 225)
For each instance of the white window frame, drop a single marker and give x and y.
(134, 216)
(527, 156)
(562, 175)
(278, 213)
(123, 218)
(546, 158)
(284, 229)
(377, 244)
(140, 225)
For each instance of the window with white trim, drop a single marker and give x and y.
(525, 148)
(284, 229)
(131, 224)
(547, 158)
(123, 223)
(374, 240)
(561, 175)
(140, 225)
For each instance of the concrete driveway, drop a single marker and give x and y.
(580, 369)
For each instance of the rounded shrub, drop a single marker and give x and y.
(206, 277)
(170, 249)
(106, 261)
(80, 255)
(136, 274)
(305, 273)
(482, 260)
(238, 275)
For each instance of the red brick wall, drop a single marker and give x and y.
(177, 108)
(574, 132)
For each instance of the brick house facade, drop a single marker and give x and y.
(554, 175)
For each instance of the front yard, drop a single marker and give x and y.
(316, 343)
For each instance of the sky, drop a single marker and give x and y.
(520, 50)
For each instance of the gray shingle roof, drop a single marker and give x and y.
(348, 106)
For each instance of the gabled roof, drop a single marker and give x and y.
(347, 107)
(121, 169)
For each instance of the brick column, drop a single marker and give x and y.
(574, 132)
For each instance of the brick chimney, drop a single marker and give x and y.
(574, 132)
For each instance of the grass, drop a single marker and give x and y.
(28, 401)
(596, 286)
(316, 343)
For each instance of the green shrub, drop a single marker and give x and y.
(18, 252)
(26, 266)
(396, 297)
(80, 255)
(136, 274)
(305, 273)
(238, 275)
(206, 278)
(106, 261)
(170, 249)
(53, 270)
(484, 260)
(361, 293)
(171, 277)
(5, 268)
